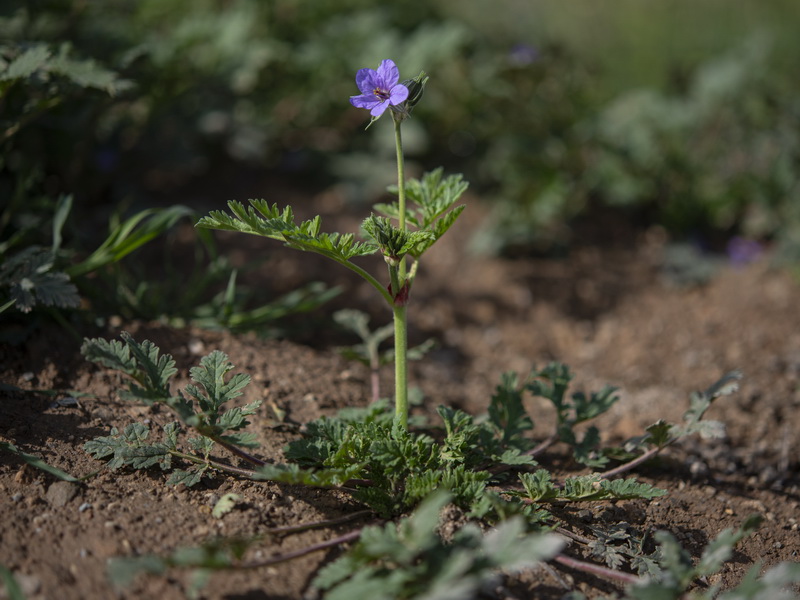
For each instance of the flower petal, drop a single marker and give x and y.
(388, 74)
(379, 109)
(398, 94)
(367, 80)
(367, 101)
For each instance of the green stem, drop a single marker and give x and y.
(399, 309)
(401, 177)
(400, 368)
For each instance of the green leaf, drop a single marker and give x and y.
(393, 242)
(130, 235)
(211, 375)
(269, 221)
(409, 560)
(187, 477)
(130, 448)
(659, 434)
(627, 489)
(37, 462)
(720, 549)
(234, 418)
(12, 588)
(142, 362)
(294, 474)
(506, 411)
(27, 63)
(30, 280)
(539, 486)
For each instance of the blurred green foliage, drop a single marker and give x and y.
(670, 107)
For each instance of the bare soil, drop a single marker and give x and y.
(604, 309)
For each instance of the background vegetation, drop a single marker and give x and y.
(672, 112)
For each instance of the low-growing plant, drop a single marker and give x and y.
(488, 466)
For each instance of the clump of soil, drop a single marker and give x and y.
(603, 310)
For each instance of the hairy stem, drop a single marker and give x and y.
(342, 539)
(632, 464)
(594, 569)
(218, 466)
(398, 305)
(401, 177)
(319, 524)
(238, 452)
(400, 367)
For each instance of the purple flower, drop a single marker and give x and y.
(379, 89)
(742, 251)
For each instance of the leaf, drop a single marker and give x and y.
(37, 462)
(27, 63)
(539, 486)
(211, 375)
(721, 548)
(293, 474)
(130, 235)
(12, 588)
(142, 362)
(225, 505)
(584, 451)
(112, 354)
(596, 404)
(188, 477)
(626, 489)
(506, 411)
(130, 448)
(234, 418)
(31, 281)
(269, 221)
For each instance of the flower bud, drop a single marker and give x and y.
(416, 87)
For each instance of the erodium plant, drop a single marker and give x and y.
(401, 231)
(486, 467)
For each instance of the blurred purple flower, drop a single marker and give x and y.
(379, 89)
(742, 251)
(523, 54)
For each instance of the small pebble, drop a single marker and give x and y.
(84, 507)
(61, 492)
(17, 497)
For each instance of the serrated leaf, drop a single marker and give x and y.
(594, 405)
(30, 280)
(244, 439)
(583, 452)
(626, 489)
(154, 371)
(143, 457)
(202, 445)
(539, 486)
(234, 418)
(659, 434)
(27, 63)
(211, 375)
(171, 431)
(269, 221)
(721, 548)
(187, 477)
(294, 474)
(506, 411)
(112, 354)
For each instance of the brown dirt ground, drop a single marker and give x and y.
(604, 310)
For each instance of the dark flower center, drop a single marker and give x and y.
(381, 93)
